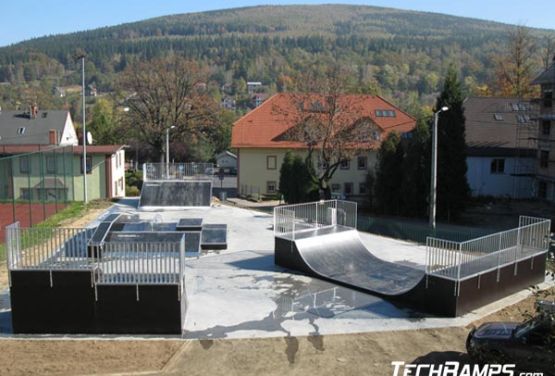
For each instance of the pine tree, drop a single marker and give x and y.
(285, 176)
(389, 175)
(416, 166)
(452, 186)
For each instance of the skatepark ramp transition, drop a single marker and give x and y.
(320, 239)
(177, 185)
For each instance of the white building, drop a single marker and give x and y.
(501, 156)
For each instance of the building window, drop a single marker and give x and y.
(21, 131)
(271, 162)
(336, 187)
(362, 162)
(362, 188)
(498, 117)
(89, 164)
(385, 113)
(497, 166)
(24, 165)
(271, 187)
(546, 127)
(345, 165)
(544, 158)
(50, 164)
(548, 98)
(348, 188)
(25, 194)
(121, 184)
(542, 189)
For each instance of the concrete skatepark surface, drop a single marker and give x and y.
(240, 293)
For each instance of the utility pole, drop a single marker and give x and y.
(85, 195)
(433, 183)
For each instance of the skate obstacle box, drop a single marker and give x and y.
(125, 276)
(173, 185)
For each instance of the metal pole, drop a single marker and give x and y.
(168, 153)
(85, 198)
(433, 182)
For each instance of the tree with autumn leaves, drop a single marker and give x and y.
(165, 92)
(327, 123)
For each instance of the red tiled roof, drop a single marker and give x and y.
(91, 149)
(262, 127)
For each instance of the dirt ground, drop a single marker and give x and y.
(355, 354)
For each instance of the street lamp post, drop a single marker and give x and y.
(433, 184)
(85, 194)
(168, 151)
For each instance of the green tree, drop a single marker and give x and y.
(295, 183)
(416, 167)
(389, 175)
(104, 125)
(302, 183)
(285, 177)
(452, 186)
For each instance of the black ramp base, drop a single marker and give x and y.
(176, 193)
(337, 254)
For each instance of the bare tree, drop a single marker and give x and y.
(167, 92)
(548, 51)
(327, 122)
(516, 67)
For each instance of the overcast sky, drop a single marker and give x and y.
(24, 19)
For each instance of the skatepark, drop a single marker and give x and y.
(305, 270)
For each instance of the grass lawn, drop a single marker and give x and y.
(73, 211)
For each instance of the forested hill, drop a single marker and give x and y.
(396, 50)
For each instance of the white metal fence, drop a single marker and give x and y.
(140, 263)
(293, 219)
(47, 248)
(68, 249)
(177, 171)
(460, 260)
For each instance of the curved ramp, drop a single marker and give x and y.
(338, 255)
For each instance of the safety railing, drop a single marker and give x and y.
(293, 219)
(69, 249)
(47, 248)
(177, 171)
(141, 263)
(459, 260)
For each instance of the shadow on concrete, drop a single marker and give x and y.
(262, 263)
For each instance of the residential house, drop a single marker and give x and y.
(34, 126)
(546, 134)
(257, 137)
(40, 172)
(227, 160)
(42, 159)
(228, 103)
(253, 86)
(501, 147)
(258, 99)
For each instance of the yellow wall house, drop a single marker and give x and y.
(42, 173)
(260, 149)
